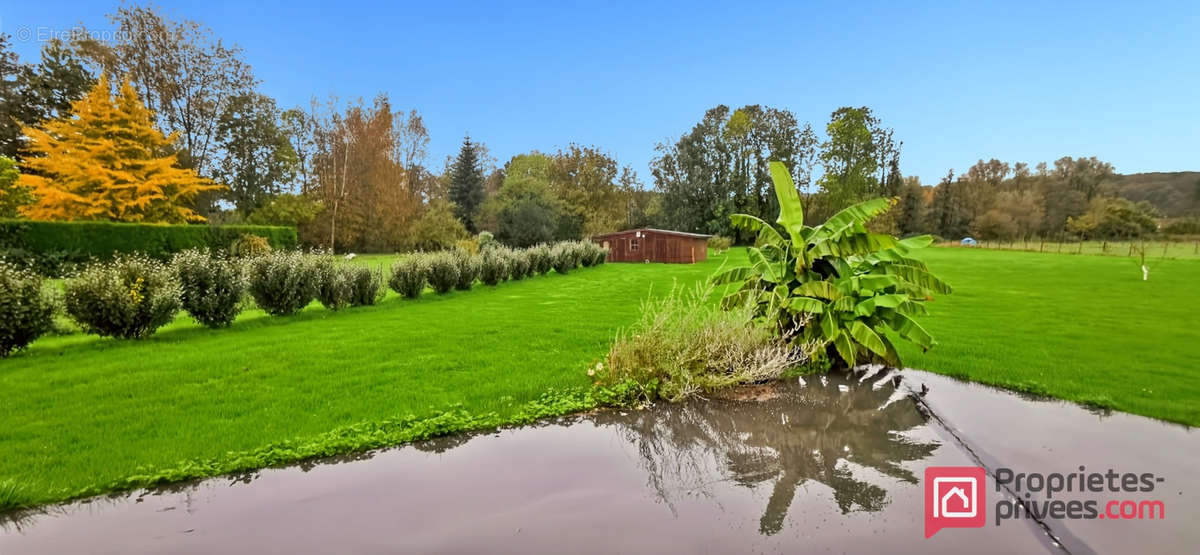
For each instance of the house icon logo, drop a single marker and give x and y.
(955, 497)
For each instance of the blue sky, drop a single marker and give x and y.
(957, 81)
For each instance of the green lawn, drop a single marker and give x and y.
(1085, 328)
(80, 411)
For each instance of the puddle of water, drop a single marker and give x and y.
(1046, 436)
(832, 465)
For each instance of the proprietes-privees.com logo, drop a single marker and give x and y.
(956, 496)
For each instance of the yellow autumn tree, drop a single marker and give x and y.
(107, 161)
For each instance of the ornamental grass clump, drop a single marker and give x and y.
(283, 282)
(211, 286)
(541, 259)
(129, 297)
(468, 268)
(335, 284)
(686, 345)
(493, 265)
(366, 285)
(26, 308)
(409, 275)
(443, 271)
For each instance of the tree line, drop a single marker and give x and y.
(356, 175)
(351, 175)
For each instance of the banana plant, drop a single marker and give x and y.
(837, 284)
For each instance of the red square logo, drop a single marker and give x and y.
(955, 497)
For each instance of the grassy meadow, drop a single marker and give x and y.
(81, 412)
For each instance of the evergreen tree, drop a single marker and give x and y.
(107, 161)
(466, 184)
(911, 218)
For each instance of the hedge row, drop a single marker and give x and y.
(51, 248)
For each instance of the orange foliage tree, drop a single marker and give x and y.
(107, 161)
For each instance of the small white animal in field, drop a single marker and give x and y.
(1145, 273)
(350, 256)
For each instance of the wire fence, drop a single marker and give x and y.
(1163, 249)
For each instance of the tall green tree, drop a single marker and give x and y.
(851, 158)
(36, 93)
(258, 159)
(466, 184)
(12, 196)
(722, 166)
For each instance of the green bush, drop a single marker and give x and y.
(282, 282)
(409, 275)
(719, 244)
(494, 266)
(335, 283)
(53, 247)
(486, 240)
(211, 286)
(367, 285)
(591, 254)
(519, 264)
(128, 297)
(565, 256)
(26, 308)
(541, 259)
(249, 245)
(443, 271)
(468, 269)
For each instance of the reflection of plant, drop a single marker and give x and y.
(859, 287)
(813, 433)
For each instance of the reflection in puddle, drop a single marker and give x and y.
(825, 432)
(829, 465)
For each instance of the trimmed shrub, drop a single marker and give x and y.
(486, 240)
(468, 269)
(600, 255)
(282, 282)
(541, 259)
(335, 285)
(409, 275)
(469, 245)
(50, 248)
(248, 246)
(129, 297)
(519, 264)
(26, 308)
(494, 266)
(587, 252)
(211, 286)
(366, 284)
(719, 244)
(443, 271)
(565, 257)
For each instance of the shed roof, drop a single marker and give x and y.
(650, 229)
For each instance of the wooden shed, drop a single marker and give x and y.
(655, 245)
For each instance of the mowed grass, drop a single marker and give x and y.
(1078, 327)
(79, 410)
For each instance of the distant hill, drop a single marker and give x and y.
(1175, 194)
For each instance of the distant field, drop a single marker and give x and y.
(82, 411)
(1155, 250)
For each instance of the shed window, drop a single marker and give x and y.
(633, 244)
